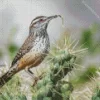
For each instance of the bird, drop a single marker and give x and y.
(34, 49)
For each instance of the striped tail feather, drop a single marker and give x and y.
(8, 75)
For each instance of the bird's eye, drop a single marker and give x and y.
(41, 20)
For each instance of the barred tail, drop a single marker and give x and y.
(8, 75)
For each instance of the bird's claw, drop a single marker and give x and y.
(36, 79)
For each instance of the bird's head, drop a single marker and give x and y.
(41, 22)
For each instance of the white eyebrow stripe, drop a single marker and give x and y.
(37, 19)
(33, 21)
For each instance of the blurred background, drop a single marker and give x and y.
(81, 21)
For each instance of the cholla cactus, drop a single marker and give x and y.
(96, 96)
(52, 86)
(12, 90)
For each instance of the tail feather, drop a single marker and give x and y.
(8, 75)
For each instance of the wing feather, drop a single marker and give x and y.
(26, 47)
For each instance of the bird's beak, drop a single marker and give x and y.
(52, 17)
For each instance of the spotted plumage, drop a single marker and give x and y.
(33, 50)
(26, 47)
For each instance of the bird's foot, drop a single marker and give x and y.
(36, 79)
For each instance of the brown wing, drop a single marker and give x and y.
(26, 47)
(30, 59)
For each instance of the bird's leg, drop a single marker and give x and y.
(33, 76)
(30, 72)
(38, 78)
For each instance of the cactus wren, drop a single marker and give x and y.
(34, 49)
